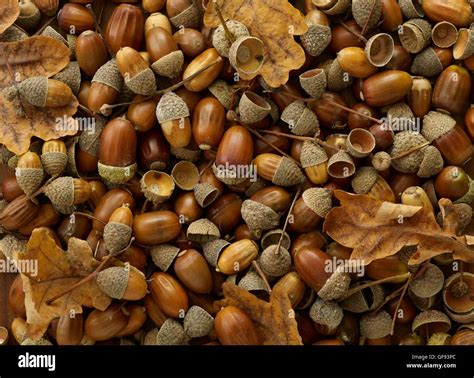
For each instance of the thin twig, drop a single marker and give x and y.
(369, 17)
(360, 36)
(227, 32)
(373, 283)
(405, 288)
(262, 275)
(298, 192)
(411, 150)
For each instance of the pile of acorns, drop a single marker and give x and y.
(164, 178)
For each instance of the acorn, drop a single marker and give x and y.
(337, 78)
(368, 181)
(10, 244)
(91, 52)
(452, 183)
(212, 250)
(448, 137)
(157, 186)
(253, 108)
(457, 11)
(190, 41)
(464, 46)
(166, 59)
(54, 157)
(310, 209)
(124, 28)
(66, 192)
(202, 231)
(247, 55)
(354, 61)
(429, 322)
(106, 85)
(379, 49)
(163, 255)
(336, 286)
(280, 170)
(234, 327)
(318, 35)
(220, 40)
(134, 69)
(75, 18)
(429, 283)
(185, 13)
(18, 213)
(381, 161)
(170, 333)
(193, 271)
(223, 92)
(456, 297)
(426, 63)
(208, 123)
(71, 75)
(362, 301)
(313, 159)
(169, 294)
(118, 230)
(360, 142)
(237, 257)
(375, 326)
(275, 262)
(404, 142)
(326, 314)
(198, 322)
(29, 172)
(366, 14)
(419, 96)
(386, 88)
(451, 90)
(43, 92)
(301, 120)
(415, 35)
(29, 16)
(173, 115)
(252, 282)
(207, 77)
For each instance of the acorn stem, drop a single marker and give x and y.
(99, 29)
(366, 24)
(206, 167)
(89, 216)
(405, 288)
(360, 36)
(373, 283)
(411, 150)
(388, 298)
(287, 220)
(227, 32)
(302, 138)
(262, 276)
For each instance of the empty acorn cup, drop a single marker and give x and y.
(379, 49)
(444, 34)
(314, 82)
(339, 7)
(272, 237)
(464, 46)
(253, 108)
(412, 37)
(246, 55)
(341, 165)
(360, 143)
(185, 174)
(411, 8)
(205, 194)
(157, 186)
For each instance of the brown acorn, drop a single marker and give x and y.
(70, 329)
(208, 123)
(66, 192)
(46, 217)
(193, 271)
(220, 40)
(29, 16)
(75, 19)
(202, 231)
(237, 256)
(318, 36)
(43, 92)
(145, 225)
(419, 96)
(310, 209)
(280, 170)
(457, 12)
(368, 181)
(91, 52)
(190, 41)
(452, 182)
(138, 76)
(235, 327)
(105, 325)
(354, 61)
(166, 59)
(386, 88)
(205, 78)
(169, 294)
(105, 87)
(126, 283)
(451, 90)
(125, 28)
(29, 172)
(173, 115)
(118, 230)
(48, 7)
(54, 157)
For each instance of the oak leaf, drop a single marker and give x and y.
(36, 56)
(9, 12)
(275, 320)
(274, 22)
(376, 229)
(56, 270)
(44, 123)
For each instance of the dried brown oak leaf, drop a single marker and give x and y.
(9, 12)
(376, 229)
(44, 123)
(274, 22)
(57, 270)
(275, 320)
(35, 56)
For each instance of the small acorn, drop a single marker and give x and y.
(118, 230)
(326, 314)
(166, 59)
(253, 108)
(426, 63)
(431, 321)
(223, 92)
(181, 15)
(237, 257)
(381, 161)
(29, 16)
(105, 87)
(170, 333)
(219, 39)
(71, 75)
(54, 157)
(173, 115)
(134, 69)
(198, 322)
(126, 283)
(368, 181)
(43, 92)
(403, 142)
(280, 170)
(375, 326)
(66, 192)
(29, 172)
(275, 262)
(163, 255)
(336, 286)
(202, 231)
(313, 159)
(318, 35)
(301, 120)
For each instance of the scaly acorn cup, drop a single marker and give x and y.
(29, 172)
(43, 92)
(314, 82)
(403, 142)
(203, 231)
(367, 181)
(126, 283)
(71, 75)
(163, 255)
(318, 36)
(313, 159)
(54, 157)
(157, 186)
(275, 262)
(367, 13)
(163, 51)
(105, 87)
(66, 192)
(219, 39)
(172, 114)
(253, 108)
(301, 120)
(280, 170)
(138, 76)
(247, 55)
(118, 230)
(259, 217)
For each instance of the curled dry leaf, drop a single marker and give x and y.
(274, 22)
(9, 11)
(35, 56)
(56, 271)
(358, 224)
(275, 320)
(44, 123)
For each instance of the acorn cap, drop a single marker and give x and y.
(252, 282)
(113, 281)
(52, 33)
(426, 63)
(412, 38)
(360, 143)
(375, 326)
(309, 296)
(202, 231)
(253, 108)
(163, 255)
(366, 12)
(460, 309)
(381, 161)
(340, 7)
(34, 90)
(13, 161)
(11, 244)
(189, 18)
(399, 110)
(169, 65)
(312, 154)
(273, 263)
(301, 119)
(185, 153)
(185, 174)
(61, 194)
(212, 250)
(326, 313)
(314, 82)
(226, 176)
(464, 215)
(424, 26)
(432, 162)
(71, 75)
(109, 74)
(316, 39)
(439, 338)
(341, 165)
(431, 316)
(364, 179)
(223, 91)
(436, 124)
(29, 21)
(246, 54)
(358, 303)
(89, 141)
(336, 286)
(403, 142)
(429, 283)
(198, 322)
(171, 107)
(150, 337)
(220, 41)
(272, 237)
(116, 236)
(319, 200)
(205, 193)
(338, 79)
(71, 42)
(40, 342)
(71, 167)
(410, 8)
(259, 217)
(467, 198)
(287, 173)
(29, 179)
(421, 303)
(379, 49)
(170, 333)
(255, 186)
(143, 83)
(444, 34)
(464, 46)
(116, 175)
